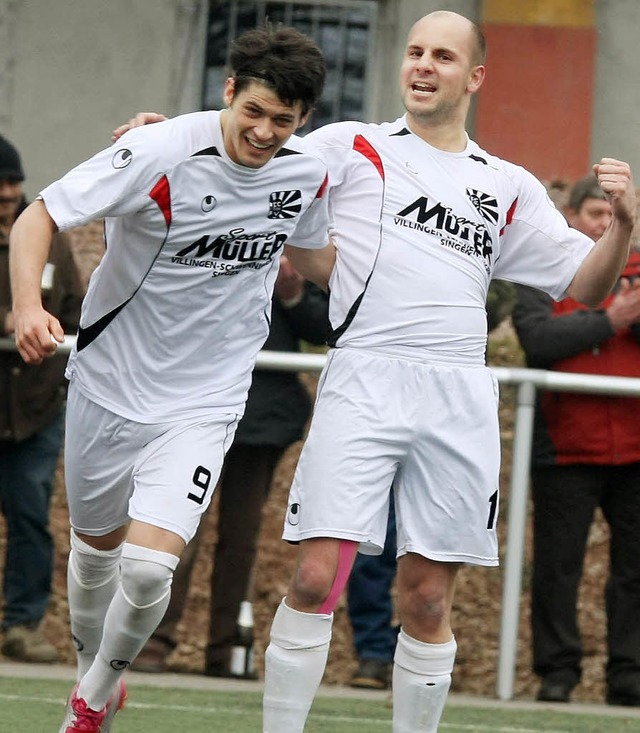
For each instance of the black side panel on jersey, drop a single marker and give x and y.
(89, 334)
(364, 147)
(479, 159)
(332, 340)
(286, 151)
(208, 151)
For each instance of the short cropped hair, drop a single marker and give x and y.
(283, 58)
(583, 189)
(480, 53)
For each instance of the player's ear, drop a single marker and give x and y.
(476, 78)
(229, 91)
(303, 119)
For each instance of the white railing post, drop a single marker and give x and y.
(516, 530)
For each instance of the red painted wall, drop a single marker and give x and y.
(535, 105)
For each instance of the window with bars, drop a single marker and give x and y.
(344, 31)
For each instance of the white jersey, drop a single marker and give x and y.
(180, 304)
(421, 233)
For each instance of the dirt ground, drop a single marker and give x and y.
(476, 615)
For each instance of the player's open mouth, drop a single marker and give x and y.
(257, 145)
(423, 88)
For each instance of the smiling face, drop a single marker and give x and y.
(256, 123)
(440, 70)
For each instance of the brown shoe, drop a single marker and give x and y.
(372, 674)
(153, 657)
(25, 643)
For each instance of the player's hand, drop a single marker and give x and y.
(615, 179)
(142, 118)
(37, 334)
(8, 324)
(625, 306)
(289, 285)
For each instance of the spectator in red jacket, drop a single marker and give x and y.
(586, 455)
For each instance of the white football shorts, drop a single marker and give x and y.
(429, 430)
(162, 473)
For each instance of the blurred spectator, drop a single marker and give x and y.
(31, 431)
(276, 413)
(586, 455)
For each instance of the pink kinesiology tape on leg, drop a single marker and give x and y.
(346, 553)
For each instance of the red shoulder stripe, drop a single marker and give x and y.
(161, 194)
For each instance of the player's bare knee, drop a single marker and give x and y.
(425, 607)
(322, 576)
(312, 583)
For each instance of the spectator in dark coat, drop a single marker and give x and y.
(31, 431)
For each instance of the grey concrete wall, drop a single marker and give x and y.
(76, 68)
(616, 113)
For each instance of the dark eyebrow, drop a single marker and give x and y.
(254, 107)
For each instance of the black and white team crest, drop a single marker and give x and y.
(487, 205)
(284, 204)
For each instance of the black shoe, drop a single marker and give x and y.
(624, 693)
(372, 674)
(554, 689)
(153, 656)
(218, 669)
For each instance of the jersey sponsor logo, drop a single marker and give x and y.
(284, 204)
(485, 203)
(455, 232)
(121, 158)
(227, 254)
(208, 203)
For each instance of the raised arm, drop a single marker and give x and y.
(601, 268)
(29, 245)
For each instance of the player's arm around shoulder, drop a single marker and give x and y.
(602, 266)
(315, 265)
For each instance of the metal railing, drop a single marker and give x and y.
(528, 381)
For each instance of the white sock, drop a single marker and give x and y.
(136, 610)
(92, 579)
(421, 680)
(294, 664)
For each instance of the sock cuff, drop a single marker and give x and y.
(423, 658)
(91, 568)
(81, 546)
(293, 629)
(137, 552)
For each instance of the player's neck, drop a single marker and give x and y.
(452, 138)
